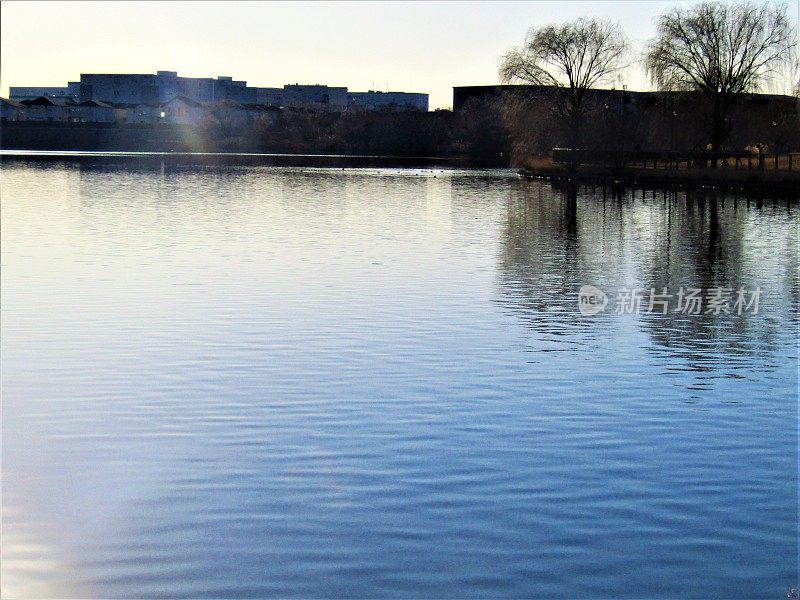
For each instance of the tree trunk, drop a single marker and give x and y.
(575, 121)
(575, 131)
(719, 122)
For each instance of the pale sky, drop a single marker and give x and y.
(399, 46)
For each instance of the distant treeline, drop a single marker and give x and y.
(390, 133)
(496, 130)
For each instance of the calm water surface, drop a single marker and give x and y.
(265, 381)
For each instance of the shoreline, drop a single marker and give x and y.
(209, 159)
(784, 183)
(25, 152)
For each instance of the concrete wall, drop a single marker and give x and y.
(127, 89)
(269, 96)
(315, 96)
(394, 100)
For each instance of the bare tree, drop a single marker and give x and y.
(787, 78)
(790, 84)
(722, 50)
(573, 57)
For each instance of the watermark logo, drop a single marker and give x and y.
(591, 300)
(686, 300)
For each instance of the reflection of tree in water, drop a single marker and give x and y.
(555, 241)
(539, 243)
(711, 241)
(545, 257)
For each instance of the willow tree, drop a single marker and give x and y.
(573, 57)
(721, 50)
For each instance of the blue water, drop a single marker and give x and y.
(264, 381)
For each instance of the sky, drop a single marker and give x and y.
(399, 46)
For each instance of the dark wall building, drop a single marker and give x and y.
(653, 120)
(463, 94)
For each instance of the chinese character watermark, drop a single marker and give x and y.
(690, 301)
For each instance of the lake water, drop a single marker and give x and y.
(283, 381)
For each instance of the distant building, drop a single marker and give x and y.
(70, 92)
(614, 99)
(45, 109)
(183, 111)
(269, 96)
(657, 120)
(143, 113)
(464, 94)
(373, 100)
(11, 110)
(163, 86)
(164, 97)
(235, 114)
(128, 89)
(94, 111)
(315, 96)
(178, 110)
